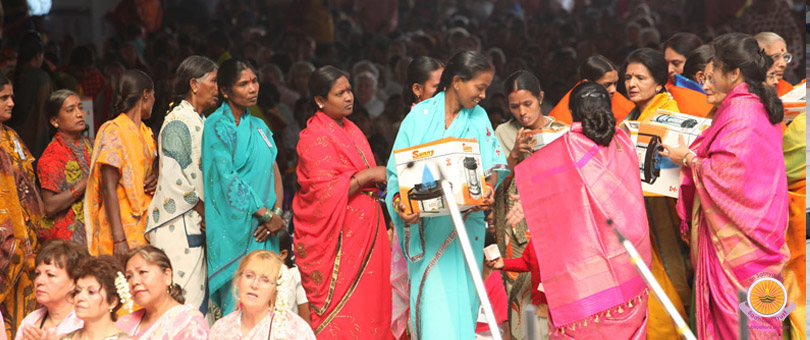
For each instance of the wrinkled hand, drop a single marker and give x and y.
(676, 154)
(515, 215)
(120, 251)
(265, 231)
(407, 218)
(150, 184)
(32, 333)
(496, 263)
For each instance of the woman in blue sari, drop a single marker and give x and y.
(444, 304)
(241, 181)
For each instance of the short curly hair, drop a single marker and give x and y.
(104, 269)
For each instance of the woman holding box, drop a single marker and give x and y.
(436, 266)
(341, 245)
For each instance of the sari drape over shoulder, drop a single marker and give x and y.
(444, 304)
(570, 189)
(131, 150)
(20, 213)
(292, 328)
(237, 166)
(341, 244)
(173, 224)
(63, 163)
(620, 104)
(735, 199)
(183, 322)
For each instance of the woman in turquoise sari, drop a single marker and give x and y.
(241, 181)
(444, 304)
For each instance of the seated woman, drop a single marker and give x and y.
(579, 180)
(525, 98)
(56, 262)
(101, 291)
(63, 169)
(601, 70)
(164, 316)
(262, 312)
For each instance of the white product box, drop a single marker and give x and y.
(542, 137)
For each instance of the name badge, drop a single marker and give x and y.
(19, 149)
(266, 140)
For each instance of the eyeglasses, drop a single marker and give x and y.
(787, 56)
(263, 280)
(771, 76)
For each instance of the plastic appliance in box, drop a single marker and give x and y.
(541, 137)
(420, 167)
(659, 175)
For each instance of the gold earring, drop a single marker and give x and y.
(56, 125)
(194, 91)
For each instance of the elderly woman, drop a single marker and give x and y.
(262, 315)
(734, 195)
(122, 179)
(19, 198)
(645, 77)
(176, 222)
(164, 316)
(97, 298)
(57, 262)
(776, 48)
(63, 169)
(242, 183)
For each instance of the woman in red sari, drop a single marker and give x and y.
(341, 245)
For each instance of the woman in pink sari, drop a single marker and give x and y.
(341, 245)
(575, 191)
(733, 199)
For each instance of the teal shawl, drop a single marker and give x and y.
(444, 304)
(237, 164)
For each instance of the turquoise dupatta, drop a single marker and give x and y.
(237, 164)
(444, 304)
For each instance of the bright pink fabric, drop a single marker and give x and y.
(575, 186)
(738, 179)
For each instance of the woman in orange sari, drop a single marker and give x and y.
(122, 179)
(341, 244)
(601, 70)
(20, 213)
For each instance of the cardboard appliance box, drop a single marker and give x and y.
(419, 168)
(659, 175)
(795, 102)
(541, 137)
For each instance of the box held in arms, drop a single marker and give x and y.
(795, 102)
(420, 167)
(541, 137)
(659, 175)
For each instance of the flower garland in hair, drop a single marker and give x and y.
(280, 308)
(122, 288)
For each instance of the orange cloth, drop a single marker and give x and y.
(795, 270)
(691, 102)
(783, 87)
(621, 107)
(131, 150)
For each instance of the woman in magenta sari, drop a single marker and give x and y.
(734, 199)
(340, 241)
(572, 188)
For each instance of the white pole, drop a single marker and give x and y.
(635, 258)
(466, 247)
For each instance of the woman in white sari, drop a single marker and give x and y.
(176, 224)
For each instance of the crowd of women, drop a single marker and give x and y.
(184, 236)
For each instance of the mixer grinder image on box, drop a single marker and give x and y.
(426, 197)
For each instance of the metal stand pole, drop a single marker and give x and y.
(466, 247)
(646, 274)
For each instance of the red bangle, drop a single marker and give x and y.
(73, 192)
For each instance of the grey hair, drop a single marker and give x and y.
(765, 39)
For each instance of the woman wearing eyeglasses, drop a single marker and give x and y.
(776, 48)
(261, 312)
(687, 88)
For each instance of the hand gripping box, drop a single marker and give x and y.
(541, 137)
(419, 169)
(659, 175)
